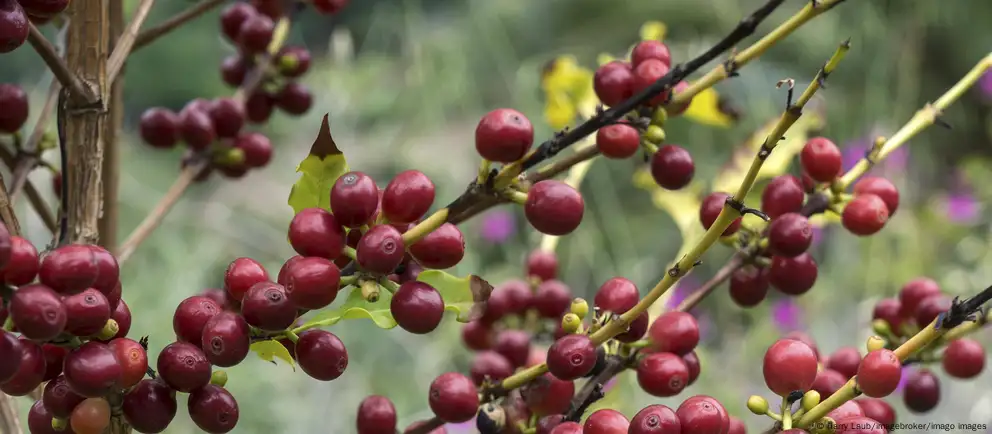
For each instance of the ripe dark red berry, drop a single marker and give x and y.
(542, 264)
(228, 116)
(190, 317)
(662, 374)
(10, 355)
(552, 299)
(655, 419)
(865, 215)
(311, 282)
(440, 249)
(183, 366)
(571, 357)
(674, 332)
(702, 414)
(782, 195)
(256, 33)
(710, 211)
(793, 276)
(845, 361)
(38, 312)
(92, 370)
(150, 406)
(354, 199)
(749, 285)
(213, 409)
(294, 98)
(13, 32)
(59, 399)
(692, 362)
(453, 398)
(30, 371)
(650, 49)
(13, 99)
(613, 82)
(256, 147)
(821, 159)
(789, 365)
(69, 269)
(407, 197)
(86, 312)
(489, 365)
(376, 415)
(672, 167)
(380, 250)
(922, 391)
(888, 310)
(267, 307)
(914, 292)
(554, 207)
(331, 7)
(964, 358)
(316, 232)
(567, 428)
(879, 373)
(514, 345)
(294, 61)
(132, 358)
(417, 307)
(646, 74)
(226, 339)
(828, 381)
(233, 16)
(930, 308)
(504, 135)
(881, 187)
(790, 235)
(159, 127)
(321, 354)
(476, 335)
(617, 295)
(241, 275)
(548, 395)
(877, 409)
(22, 267)
(196, 128)
(606, 421)
(618, 141)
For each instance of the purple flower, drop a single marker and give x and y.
(683, 288)
(498, 226)
(787, 315)
(961, 208)
(817, 236)
(907, 372)
(610, 384)
(461, 428)
(855, 151)
(985, 84)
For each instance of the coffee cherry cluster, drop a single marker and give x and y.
(698, 414)
(15, 15)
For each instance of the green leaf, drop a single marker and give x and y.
(356, 307)
(271, 350)
(465, 296)
(319, 170)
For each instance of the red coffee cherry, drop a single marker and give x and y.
(888, 310)
(191, 316)
(14, 26)
(477, 336)
(845, 361)
(226, 339)
(233, 16)
(710, 211)
(964, 358)
(22, 267)
(133, 360)
(213, 409)
(571, 357)
(879, 373)
(865, 215)
(504, 136)
(672, 167)
(321, 354)
(789, 365)
(489, 365)
(312, 282)
(29, 370)
(702, 414)
(93, 370)
(443, 248)
(380, 250)
(331, 7)
(417, 307)
(150, 406)
(606, 421)
(662, 374)
(554, 207)
(828, 381)
(87, 312)
(793, 276)
(922, 392)
(38, 312)
(650, 49)
(568, 428)
(407, 197)
(552, 299)
(881, 187)
(354, 199)
(821, 159)
(196, 128)
(227, 115)
(674, 109)
(241, 275)
(256, 147)
(267, 307)
(877, 409)
(69, 269)
(159, 127)
(749, 285)
(614, 82)
(675, 332)
(514, 345)
(914, 292)
(542, 264)
(256, 33)
(655, 419)
(618, 141)
(847, 410)
(183, 366)
(453, 398)
(692, 362)
(784, 194)
(790, 235)
(548, 395)
(646, 74)
(59, 399)
(930, 308)
(376, 415)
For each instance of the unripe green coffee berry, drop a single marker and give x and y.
(875, 343)
(288, 62)
(659, 117)
(826, 425)
(218, 378)
(229, 157)
(810, 400)
(757, 404)
(59, 424)
(654, 134)
(570, 323)
(580, 308)
(109, 330)
(881, 327)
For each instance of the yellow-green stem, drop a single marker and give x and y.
(967, 328)
(484, 168)
(786, 414)
(515, 196)
(292, 336)
(923, 118)
(349, 252)
(389, 285)
(347, 280)
(424, 228)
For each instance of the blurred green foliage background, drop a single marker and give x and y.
(404, 83)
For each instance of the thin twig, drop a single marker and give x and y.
(151, 35)
(126, 42)
(30, 156)
(69, 80)
(724, 273)
(157, 214)
(588, 394)
(37, 202)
